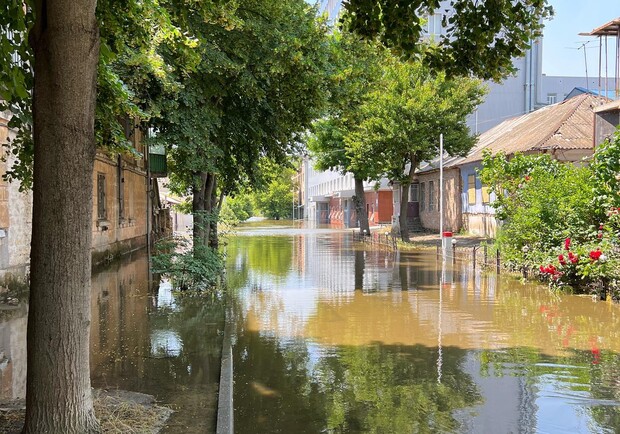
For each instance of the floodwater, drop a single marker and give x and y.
(144, 339)
(332, 337)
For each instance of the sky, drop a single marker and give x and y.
(561, 42)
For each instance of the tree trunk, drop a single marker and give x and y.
(360, 206)
(209, 205)
(198, 210)
(214, 242)
(65, 40)
(404, 201)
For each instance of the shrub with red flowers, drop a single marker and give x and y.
(560, 219)
(583, 266)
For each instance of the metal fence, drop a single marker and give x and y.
(480, 256)
(385, 240)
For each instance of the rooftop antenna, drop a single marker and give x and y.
(585, 59)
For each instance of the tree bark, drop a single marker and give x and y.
(214, 242)
(209, 206)
(65, 40)
(404, 201)
(198, 210)
(360, 206)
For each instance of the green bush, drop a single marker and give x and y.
(543, 202)
(198, 268)
(540, 201)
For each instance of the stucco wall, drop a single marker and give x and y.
(452, 201)
(113, 235)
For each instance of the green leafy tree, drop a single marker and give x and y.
(480, 39)
(237, 208)
(402, 118)
(605, 166)
(261, 86)
(276, 199)
(60, 118)
(356, 66)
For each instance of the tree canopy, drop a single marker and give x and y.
(480, 38)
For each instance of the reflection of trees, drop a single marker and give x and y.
(359, 268)
(125, 323)
(377, 388)
(394, 389)
(271, 255)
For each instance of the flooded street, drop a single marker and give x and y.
(330, 335)
(334, 338)
(143, 339)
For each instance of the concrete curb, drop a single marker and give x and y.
(225, 409)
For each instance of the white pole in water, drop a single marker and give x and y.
(440, 186)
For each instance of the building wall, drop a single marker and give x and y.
(15, 219)
(114, 233)
(429, 217)
(479, 217)
(555, 88)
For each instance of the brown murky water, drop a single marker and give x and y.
(143, 339)
(333, 338)
(330, 337)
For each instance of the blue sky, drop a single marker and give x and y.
(561, 39)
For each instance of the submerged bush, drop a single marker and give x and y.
(198, 268)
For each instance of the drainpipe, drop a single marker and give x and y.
(148, 203)
(527, 77)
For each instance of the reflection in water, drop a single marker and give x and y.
(352, 340)
(150, 340)
(143, 339)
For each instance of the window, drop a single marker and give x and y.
(102, 212)
(422, 195)
(486, 195)
(431, 195)
(552, 98)
(414, 192)
(471, 189)
(433, 25)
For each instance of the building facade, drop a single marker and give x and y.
(15, 216)
(126, 207)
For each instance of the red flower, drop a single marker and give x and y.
(573, 258)
(567, 244)
(528, 178)
(600, 234)
(561, 259)
(595, 254)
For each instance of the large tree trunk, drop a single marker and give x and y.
(198, 210)
(360, 206)
(65, 40)
(404, 201)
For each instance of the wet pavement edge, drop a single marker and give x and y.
(225, 410)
